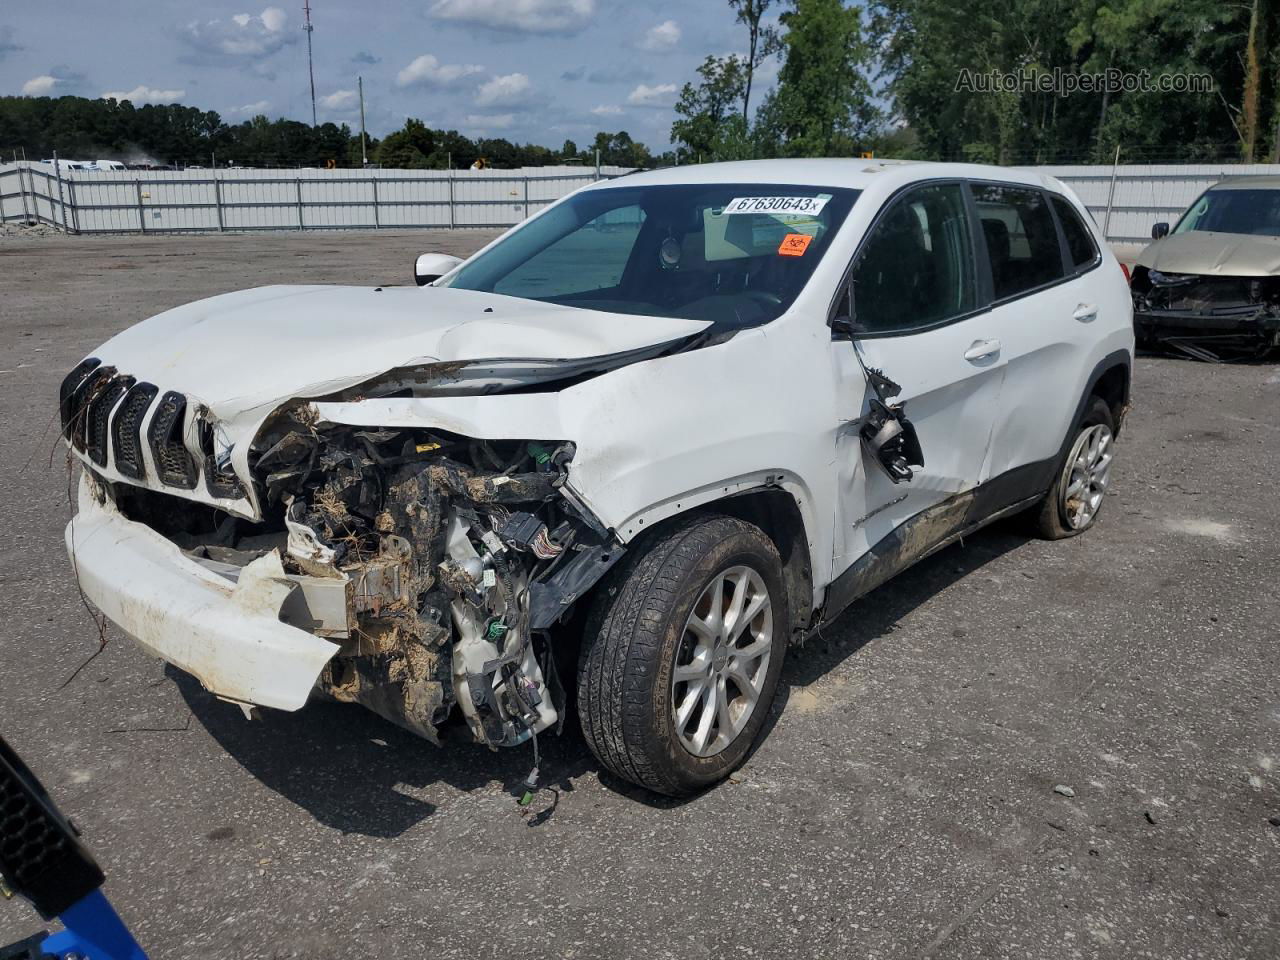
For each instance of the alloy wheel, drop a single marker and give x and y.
(1088, 473)
(722, 661)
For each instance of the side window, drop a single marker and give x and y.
(590, 258)
(1080, 243)
(1021, 240)
(916, 267)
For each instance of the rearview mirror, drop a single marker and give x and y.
(433, 266)
(1159, 230)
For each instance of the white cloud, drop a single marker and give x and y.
(143, 94)
(508, 90)
(661, 95)
(427, 71)
(662, 37)
(340, 100)
(251, 109)
(530, 16)
(40, 86)
(274, 19)
(501, 121)
(606, 110)
(242, 36)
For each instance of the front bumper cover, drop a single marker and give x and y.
(228, 635)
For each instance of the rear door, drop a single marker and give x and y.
(919, 315)
(1040, 255)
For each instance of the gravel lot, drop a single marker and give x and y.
(902, 805)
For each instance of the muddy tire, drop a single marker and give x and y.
(681, 655)
(1073, 502)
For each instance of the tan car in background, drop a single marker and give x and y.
(1210, 287)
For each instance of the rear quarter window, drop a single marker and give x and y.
(1080, 246)
(1022, 242)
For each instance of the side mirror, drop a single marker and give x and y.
(1159, 230)
(433, 266)
(841, 328)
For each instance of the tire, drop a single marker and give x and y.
(642, 627)
(1089, 460)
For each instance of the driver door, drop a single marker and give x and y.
(919, 310)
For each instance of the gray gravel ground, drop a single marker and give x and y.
(903, 804)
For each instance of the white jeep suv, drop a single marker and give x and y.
(628, 453)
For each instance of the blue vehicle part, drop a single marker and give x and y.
(43, 861)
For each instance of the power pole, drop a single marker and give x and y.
(364, 146)
(311, 69)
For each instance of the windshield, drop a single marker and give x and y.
(1234, 211)
(734, 254)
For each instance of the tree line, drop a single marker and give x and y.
(887, 78)
(883, 78)
(83, 129)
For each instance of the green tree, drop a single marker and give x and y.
(823, 105)
(408, 148)
(619, 150)
(925, 46)
(705, 109)
(762, 40)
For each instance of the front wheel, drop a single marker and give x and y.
(1072, 503)
(682, 655)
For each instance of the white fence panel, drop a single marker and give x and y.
(1145, 194)
(194, 201)
(133, 201)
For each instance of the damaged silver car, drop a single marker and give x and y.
(1210, 287)
(624, 456)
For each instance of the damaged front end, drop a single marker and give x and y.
(436, 563)
(1211, 318)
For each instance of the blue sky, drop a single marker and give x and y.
(528, 70)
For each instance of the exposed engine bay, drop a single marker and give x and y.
(1211, 318)
(438, 563)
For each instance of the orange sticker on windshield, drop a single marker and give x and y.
(795, 244)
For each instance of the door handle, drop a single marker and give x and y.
(1086, 312)
(981, 349)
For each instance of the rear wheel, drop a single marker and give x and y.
(1072, 504)
(682, 655)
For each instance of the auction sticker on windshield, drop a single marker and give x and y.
(810, 205)
(795, 244)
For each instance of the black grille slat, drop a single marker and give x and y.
(103, 412)
(98, 417)
(174, 462)
(66, 392)
(126, 430)
(220, 482)
(83, 396)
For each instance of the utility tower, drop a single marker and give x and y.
(311, 69)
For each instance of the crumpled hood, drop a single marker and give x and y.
(240, 351)
(1214, 254)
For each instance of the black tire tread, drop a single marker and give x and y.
(623, 636)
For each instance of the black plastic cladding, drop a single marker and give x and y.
(66, 392)
(174, 463)
(98, 416)
(40, 857)
(126, 430)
